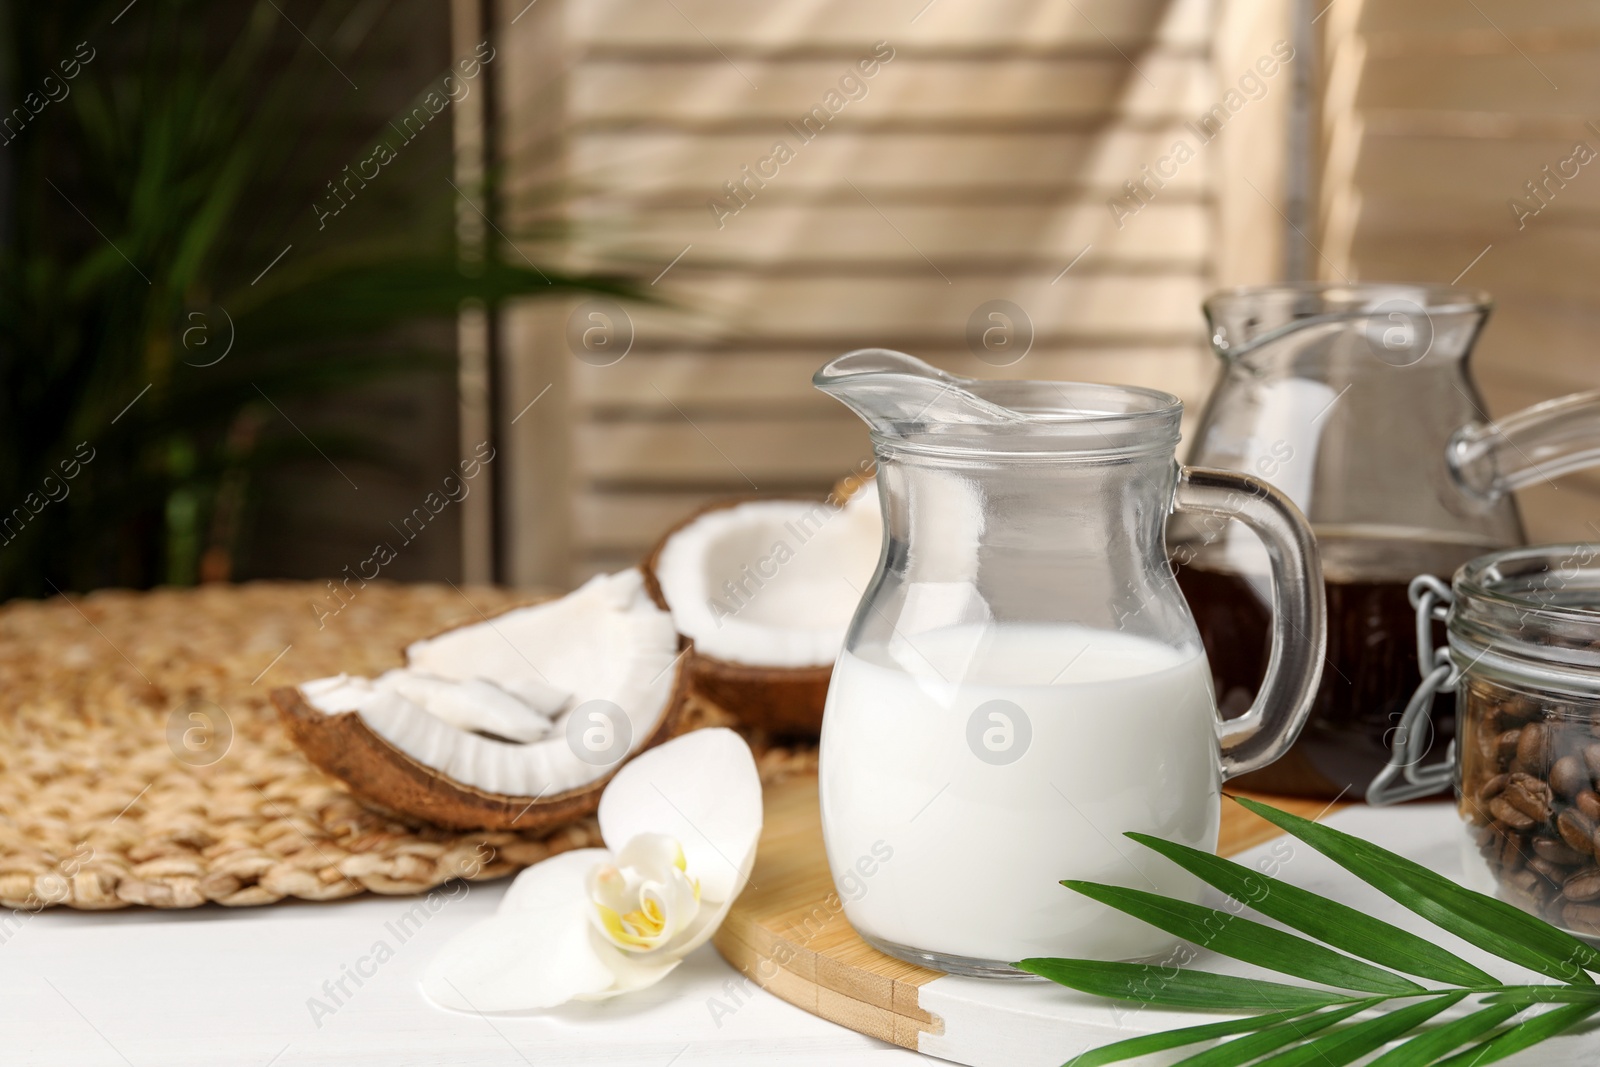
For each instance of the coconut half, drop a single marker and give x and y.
(510, 723)
(763, 592)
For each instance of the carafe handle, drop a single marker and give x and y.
(1532, 445)
(1299, 615)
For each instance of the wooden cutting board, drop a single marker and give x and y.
(783, 934)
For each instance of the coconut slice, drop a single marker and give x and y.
(764, 591)
(510, 723)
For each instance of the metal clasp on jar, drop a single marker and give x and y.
(1405, 778)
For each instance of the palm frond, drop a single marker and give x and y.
(1362, 1000)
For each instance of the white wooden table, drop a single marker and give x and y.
(215, 987)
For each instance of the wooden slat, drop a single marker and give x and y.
(906, 87)
(696, 381)
(1503, 81)
(1560, 513)
(853, 312)
(1030, 23)
(1550, 342)
(1546, 261)
(744, 453)
(1381, 213)
(1449, 17)
(1172, 234)
(1467, 172)
(688, 168)
(629, 522)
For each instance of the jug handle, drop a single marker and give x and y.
(1488, 460)
(1299, 615)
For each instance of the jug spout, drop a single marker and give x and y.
(1536, 444)
(908, 402)
(897, 394)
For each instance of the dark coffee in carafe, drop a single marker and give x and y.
(1370, 670)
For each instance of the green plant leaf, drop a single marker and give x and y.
(1525, 1034)
(1243, 1050)
(1247, 940)
(1176, 988)
(1170, 1039)
(1490, 924)
(1326, 920)
(1427, 1047)
(1545, 994)
(1353, 1042)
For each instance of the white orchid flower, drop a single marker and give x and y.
(681, 822)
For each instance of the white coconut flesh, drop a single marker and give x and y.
(772, 583)
(605, 648)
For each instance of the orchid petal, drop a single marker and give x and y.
(702, 789)
(654, 855)
(554, 882)
(630, 972)
(535, 952)
(699, 931)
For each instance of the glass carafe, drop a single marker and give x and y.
(1022, 682)
(1355, 401)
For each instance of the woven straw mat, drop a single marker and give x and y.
(141, 763)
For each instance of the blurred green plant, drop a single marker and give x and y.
(143, 346)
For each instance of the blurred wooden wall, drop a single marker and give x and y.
(977, 163)
(1436, 115)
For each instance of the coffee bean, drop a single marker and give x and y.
(1488, 743)
(1491, 788)
(1591, 759)
(1505, 747)
(1513, 854)
(1515, 712)
(1577, 830)
(1558, 851)
(1569, 777)
(1533, 747)
(1529, 795)
(1508, 815)
(1554, 873)
(1589, 803)
(1524, 880)
(1584, 918)
(1583, 885)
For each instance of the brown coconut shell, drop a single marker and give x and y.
(344, 746)
(785, 701)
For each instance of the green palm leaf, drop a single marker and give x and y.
(1545, 994)
(1243, 1050)
(1247, 940)
(1490, 924)
(1369, 1035)
(1188, 1035)
(1165, 987)
(1326, 920)
(1427, 1047)
(1521, 1036)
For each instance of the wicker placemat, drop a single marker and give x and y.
(141, 763)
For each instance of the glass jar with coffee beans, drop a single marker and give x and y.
(1524, 661)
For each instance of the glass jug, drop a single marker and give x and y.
(1355, 401)
(1022, 682)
